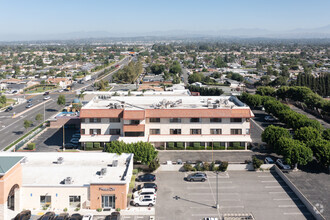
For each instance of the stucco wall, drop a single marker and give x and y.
(119, 191)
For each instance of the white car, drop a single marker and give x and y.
(61, 90)
(145, 192)
(210, 218)
(74, 140)
(282, 165)
(269, 160)
(46, 97)
(144, 201)
(88, 217)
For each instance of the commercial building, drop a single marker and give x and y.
(181, 121)
(55, 181)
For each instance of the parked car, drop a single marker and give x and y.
(70, 146)
(179, 161)
(61, 90)
(23, 215)
(197, 177)
(46, 93)
(29, 100)
(282, 165)
(146, 178)
(88, 217)
(210, 218)
(76, 136)
(74, 140)
(144, 192)
(269, 160)
(113, 216)
(29, 105)
(147, 185)
(62, 216)
(9, 108)
(269, 118)
(141, 201)
(46, 97)
(76, 216)
(48, 216)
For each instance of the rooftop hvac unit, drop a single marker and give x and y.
(115, 163)
(60, 160)
(103, 171)
(68, 180)
(215, 105)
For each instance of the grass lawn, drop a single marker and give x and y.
(9, 102)
(41, 89)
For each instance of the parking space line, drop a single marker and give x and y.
(297, 213)
(203, 214)
(290, 206)
(270, 187)
(268, 176)
(272, 181)
(286, 199)
(229, 207)
(280, 192)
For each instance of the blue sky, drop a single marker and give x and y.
(132, 16)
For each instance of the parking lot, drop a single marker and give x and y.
(262, 194)
(52, 139)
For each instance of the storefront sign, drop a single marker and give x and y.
(107, 189)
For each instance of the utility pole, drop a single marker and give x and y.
(63, 139)
(44, 113)
(217, 205)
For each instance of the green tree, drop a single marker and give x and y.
(321, 151)
(326, 134)
(61, 100)
(175, 68)
(195, 77)
(272, 134)
(3, 99)
(27, 124)
(265, 91)
(295, 152)
(38, 117)
(256, 163)
(306, 133)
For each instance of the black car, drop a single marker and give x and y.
(9, 108)
(147, 185)
(62, 216)
(76, 216)
(23, 215)
(46, 93)
(113, 216)
(146, 178)
(48, 216)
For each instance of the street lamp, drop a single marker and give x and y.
(217, 203)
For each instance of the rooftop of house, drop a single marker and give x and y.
(47, 169)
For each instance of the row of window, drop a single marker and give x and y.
(74, 201)
(172, 120)
(172, 131)
(199, 131)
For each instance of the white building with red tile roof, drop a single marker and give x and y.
(167, 121)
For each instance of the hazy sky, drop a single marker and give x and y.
(127, 16)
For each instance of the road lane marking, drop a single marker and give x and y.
(290, 206)
(271, 187)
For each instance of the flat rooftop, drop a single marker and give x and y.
(42, 169)
(165, 102)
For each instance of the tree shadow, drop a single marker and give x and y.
(18, 132)
(51, 110)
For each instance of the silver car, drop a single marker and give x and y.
(197, 177)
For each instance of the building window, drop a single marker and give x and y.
(154, 120)
(45, 201)
(74, 201)
(235, 120)
(94, 131)
(195, 131)
(175, 131)
(114, 120)
(154, 131)
(82, 120)
(235, 131)
(248, 131)
(215, 131)
(215, 120)
(82, 131)
(195, 120)
(134, 134)
(134, 122)
(95, 120)
(175, 120)
(108, 201)
(114, 131)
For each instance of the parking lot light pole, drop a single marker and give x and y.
(217, 205)
(63, 139)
